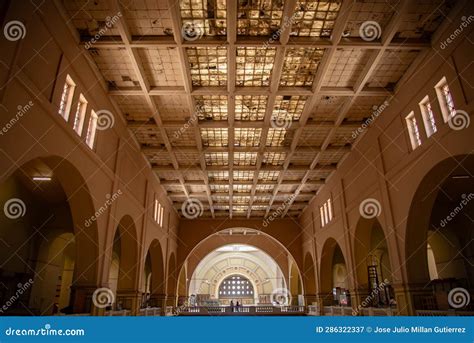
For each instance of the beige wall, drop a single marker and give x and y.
(115, 163)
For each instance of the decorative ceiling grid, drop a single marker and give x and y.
(258, 105)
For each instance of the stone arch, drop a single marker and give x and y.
(66, 196)
(333, 270)
(371, 247)
(422, 212)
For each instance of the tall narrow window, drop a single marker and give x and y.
(413, 130)
(80, 114)
(326, 212)
(321, 214)
(161, 216)
(329, 209)
(155, 210)
(428, 117)
(445, 99)
(91, 130)
(66, 98)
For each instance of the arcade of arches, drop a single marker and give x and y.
(98, 225)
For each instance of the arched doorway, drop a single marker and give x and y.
(156, 278)
(440, 248)
(123, 273)
(334, 277)
(373, 264)
(50, 242)
(242, 262)
(266, 244)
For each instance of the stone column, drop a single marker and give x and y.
(158, 300)
(130, 300)
(81, 300)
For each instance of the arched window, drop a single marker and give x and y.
(236, 286)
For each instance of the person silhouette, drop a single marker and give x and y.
(237, 306)
(232, 306)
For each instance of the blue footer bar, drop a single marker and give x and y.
(237, 329)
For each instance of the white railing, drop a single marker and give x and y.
(150, 311)
(378, 312)
(169, 311)
(313, 310)
(439, 313)
(118, 313)
(293, 309)
(263, 309)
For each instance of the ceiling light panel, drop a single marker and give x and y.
(206, 17)
(243, 175)
(219, 188)
(300, 66)
(217, 159)
(315, 18)
(245, 159)
(278, 137)
(241, 199)
(208, 65)
(274, 158)
(259, 18)
(214, 137)
(288, 108)
(222, 175)
(268, 175)
(211, 107)
(250, 107)
(264, 188)
(247, 137)
(242, 188)
(254, 66)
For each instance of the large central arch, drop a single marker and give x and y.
(246, 236)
